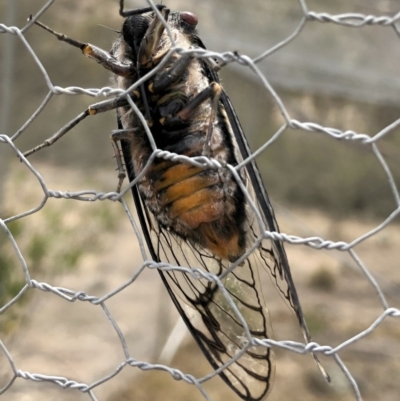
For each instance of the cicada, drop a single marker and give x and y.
(193, 215)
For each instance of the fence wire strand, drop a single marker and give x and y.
(7, 139)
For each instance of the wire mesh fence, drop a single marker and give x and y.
(13, 369)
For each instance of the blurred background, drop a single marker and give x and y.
(339, 77)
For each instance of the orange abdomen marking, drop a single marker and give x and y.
(196, 203)
(190, 195)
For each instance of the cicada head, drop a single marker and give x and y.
(149, 41)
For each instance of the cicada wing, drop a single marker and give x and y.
(271, 253)
(210, 316)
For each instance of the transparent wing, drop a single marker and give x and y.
(210, 316)
(271, 254)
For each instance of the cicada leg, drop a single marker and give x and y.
(117, 136)
(213, 92)
(104, 58)
(94, 109)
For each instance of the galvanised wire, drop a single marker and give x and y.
(354, 20)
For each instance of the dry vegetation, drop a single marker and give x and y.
(333, 189)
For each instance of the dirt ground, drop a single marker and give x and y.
(76, 340)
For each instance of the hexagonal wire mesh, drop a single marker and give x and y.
(128, 358)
